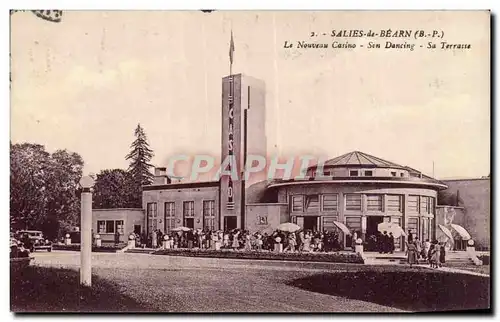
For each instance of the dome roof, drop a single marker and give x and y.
(357, 158)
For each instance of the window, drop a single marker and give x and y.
(188, 208)
(413, 226)
(393, 173)
(374, 202)
(152, 212)
(330, 202)
(119, 226)
(353, 202)
(297, 203)
(424, 204)
(431, 208)
(369, 173)
(169, 216)
(394, 203)
(209, 214)
(110, 226)
(354, 225)
(413, 203)
(353, 173)
(312, 202)
(402, 174)
(101, 227)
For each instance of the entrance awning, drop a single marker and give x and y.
(446, 231)
(461, 231)
(342, 227)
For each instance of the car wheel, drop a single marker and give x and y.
(49, 249)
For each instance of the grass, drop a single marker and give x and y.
(413, 290)
(41, 289)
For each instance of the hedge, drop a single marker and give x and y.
(102, 249)
(305, 257)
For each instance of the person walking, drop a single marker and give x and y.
(154, 239)
(291, 242)
(117, 237)
(410, 237)
(418, 246)
(385, 243)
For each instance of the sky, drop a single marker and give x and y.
(85, 83)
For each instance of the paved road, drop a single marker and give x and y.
(188, 284)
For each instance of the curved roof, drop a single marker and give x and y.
(357, 158)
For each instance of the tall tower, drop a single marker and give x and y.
(243, 133)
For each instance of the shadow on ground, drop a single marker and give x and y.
(41, 289)
(418, 290)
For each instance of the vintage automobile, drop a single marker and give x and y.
(34, 240)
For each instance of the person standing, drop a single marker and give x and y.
(353, 242)
(442, 254)
(385, 242)
(418, 246)
(426, 247)
(391, 243)
(154, 239)
(117, 237)
(412, 253)
(410, 237)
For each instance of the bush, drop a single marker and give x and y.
(306, 257)
(102, 249)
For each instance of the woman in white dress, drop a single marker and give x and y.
(307, 243)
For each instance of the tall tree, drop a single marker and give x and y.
(113, 189)
(44, 188)
(139, 158)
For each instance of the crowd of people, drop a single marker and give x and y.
(433, 253)
(300, 241)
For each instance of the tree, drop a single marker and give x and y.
(139, 158)
(113, 189)
(44, 189)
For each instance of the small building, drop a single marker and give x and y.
(106, 222)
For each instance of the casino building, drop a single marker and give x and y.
(355, 191)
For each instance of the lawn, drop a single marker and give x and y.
(415, 289)
(41, 289)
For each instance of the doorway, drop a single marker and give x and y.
(189, 223)
(311, 223)
(230, 222)
(137, 229)
(372, 232)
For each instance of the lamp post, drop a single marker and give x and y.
(86, 231)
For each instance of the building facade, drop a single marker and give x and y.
(106, 222)
(361, 191)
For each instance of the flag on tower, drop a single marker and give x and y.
(231, 48)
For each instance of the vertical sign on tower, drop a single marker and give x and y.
(230, 189)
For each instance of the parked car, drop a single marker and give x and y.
(34, 240)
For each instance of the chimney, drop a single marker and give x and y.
(161, 176)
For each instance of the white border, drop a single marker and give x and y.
(186, 4)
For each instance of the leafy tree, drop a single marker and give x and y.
(139, 158)
(44, 189)
(113, 189)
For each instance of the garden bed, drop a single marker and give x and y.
(265, 255)
(95, 249)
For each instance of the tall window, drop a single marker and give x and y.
(312, 202)
(431, 208)
(152, 211)
(119, 226)
(110, 226)
(298, 203)
(330, 202)
(424, 204)
(413, 203)
(374, 202)
(352, 201)
(188, 208)
(169, 216)
(394, 203)
(101, 226)
(209, 214)
(413, 226)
